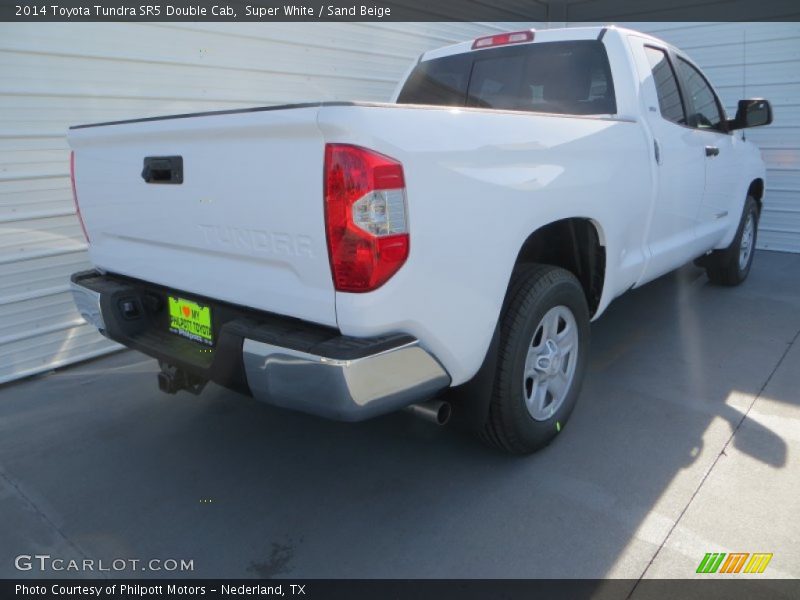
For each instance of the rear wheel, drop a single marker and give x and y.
(544, 338)
(732, 265)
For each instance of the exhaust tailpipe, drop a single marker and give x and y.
(435, 411)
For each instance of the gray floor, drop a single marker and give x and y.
(686, 440)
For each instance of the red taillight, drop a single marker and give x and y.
(365, 216)
(75, 194)
(502, 39)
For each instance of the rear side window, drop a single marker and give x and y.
(669, 97)
(555, 77)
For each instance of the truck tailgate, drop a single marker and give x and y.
(245, 224)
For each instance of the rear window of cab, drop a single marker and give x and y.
(572, 77)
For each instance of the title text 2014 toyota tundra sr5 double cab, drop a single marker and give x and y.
(446, 250)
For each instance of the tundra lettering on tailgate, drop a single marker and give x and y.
(256, 241)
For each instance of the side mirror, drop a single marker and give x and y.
(752, 113)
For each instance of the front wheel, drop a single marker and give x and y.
(544, 340)
(732, 265)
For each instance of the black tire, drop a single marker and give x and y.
(534, 290)
(723, 266)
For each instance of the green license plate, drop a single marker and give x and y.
(190, 320)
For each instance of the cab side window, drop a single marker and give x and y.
(669, 96)
(706, 114)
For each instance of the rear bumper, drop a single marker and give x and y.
(279, 360)
(349, 390)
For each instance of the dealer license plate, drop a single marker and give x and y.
(190, 320)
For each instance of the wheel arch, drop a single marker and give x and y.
(577, 244)
(756, 190)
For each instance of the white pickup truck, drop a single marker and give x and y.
(445, 251)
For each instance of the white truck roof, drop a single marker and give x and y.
(543, 35)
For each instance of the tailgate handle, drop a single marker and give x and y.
(163, 169)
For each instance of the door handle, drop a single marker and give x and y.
(712, 151)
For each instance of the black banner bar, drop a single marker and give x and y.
(711, 588)
(398, 10)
